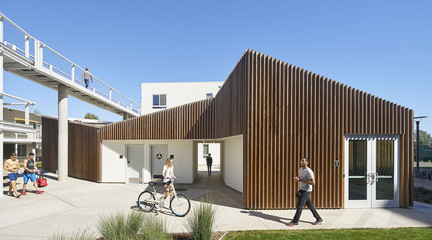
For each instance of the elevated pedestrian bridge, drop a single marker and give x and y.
(26, 59)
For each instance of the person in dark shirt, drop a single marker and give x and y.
(209, 160)
(30, 169)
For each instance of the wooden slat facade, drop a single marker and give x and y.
(189, 121)
(83, 151)
(284, 113)
(292, 113)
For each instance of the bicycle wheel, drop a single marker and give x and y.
(180, 205)
(146, 201)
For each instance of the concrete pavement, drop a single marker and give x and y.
(77, 204)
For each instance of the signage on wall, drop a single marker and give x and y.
(159, 156)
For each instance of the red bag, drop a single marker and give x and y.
(41, 181)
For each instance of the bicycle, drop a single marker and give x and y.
(180, 204)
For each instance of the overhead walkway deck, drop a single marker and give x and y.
(29, 58)
(29, 63)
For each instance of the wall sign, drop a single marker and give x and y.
(159, 156)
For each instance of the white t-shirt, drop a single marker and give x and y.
(168, 173)
(87, 75)
(305, 175)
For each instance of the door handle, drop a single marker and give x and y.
(376, 177)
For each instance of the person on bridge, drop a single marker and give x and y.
(86, 77)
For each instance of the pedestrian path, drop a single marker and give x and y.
(72, 204)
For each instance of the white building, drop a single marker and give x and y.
(157, 96)
(163, 95)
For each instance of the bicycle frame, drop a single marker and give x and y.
(153, 198)
(158, 199)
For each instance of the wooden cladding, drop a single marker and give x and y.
(292, 113)
(283, 112)
(231, 102)
(83, 150)
(189, 121)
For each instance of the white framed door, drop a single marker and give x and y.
(371, 171)
(159, 154)
(134, 163)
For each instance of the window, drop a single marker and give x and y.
(22, 150)
(209, 95)
(205, 150)
(159, 101)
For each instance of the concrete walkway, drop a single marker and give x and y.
(77, 204)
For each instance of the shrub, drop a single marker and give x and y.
(154, 228)
(423, 190)
(201, 222)
(80, 234)
(119, 226)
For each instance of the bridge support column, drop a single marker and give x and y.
(1, 99)
(62, 133)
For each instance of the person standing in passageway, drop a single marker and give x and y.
(306, 179)
(209, 160)
(86, 77)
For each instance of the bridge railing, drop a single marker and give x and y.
(46, 57)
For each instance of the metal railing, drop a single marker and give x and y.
(37, 58)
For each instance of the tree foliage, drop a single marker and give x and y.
(91, 116)
(425, 138)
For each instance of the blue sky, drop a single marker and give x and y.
(381, 47)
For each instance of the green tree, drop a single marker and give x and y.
(425, 138)
(91, 116)
(37, 111)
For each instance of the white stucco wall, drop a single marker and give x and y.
(232, 169)
(214, 149)
(114, 168)
(178, 93)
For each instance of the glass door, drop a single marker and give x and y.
(384, 169)
(371, 171)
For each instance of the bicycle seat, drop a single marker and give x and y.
(152, 184)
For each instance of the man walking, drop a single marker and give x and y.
(12, 166)
(209, 160)
(30, 170)
(86, 77)
(306, 179)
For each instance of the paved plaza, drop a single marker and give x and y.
(77, 204)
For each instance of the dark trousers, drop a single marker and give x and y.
(303, 198)
(209, 168)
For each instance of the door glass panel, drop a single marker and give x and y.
(385, 169)
(357, 170)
